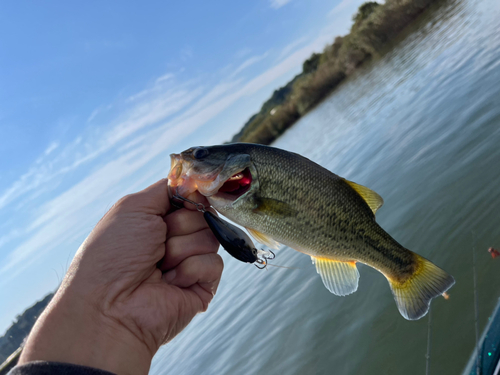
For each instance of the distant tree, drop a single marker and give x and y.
(364, 11)
(21, 327)
(311, 64)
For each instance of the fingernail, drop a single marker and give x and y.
(169, 276)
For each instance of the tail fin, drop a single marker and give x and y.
(413, 296)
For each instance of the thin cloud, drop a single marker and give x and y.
(165, 77)
(278, 3)
(151, 112)
(9, 237)
(144, 114)
(98, 111)
(247, 63)
(51, 148)
(340, 7)
(290, 47)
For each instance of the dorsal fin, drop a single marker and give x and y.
(263, 239)
(373, 200)
(340, 278)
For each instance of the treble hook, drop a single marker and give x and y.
(264, 258)
(262, 262)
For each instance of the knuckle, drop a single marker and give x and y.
(218, 263)
(125, 202)
(212, 241)
(175, 248)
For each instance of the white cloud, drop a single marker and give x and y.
(278, 3)
(98, 111)
(247, 63)
(151, 112)
(290, 47)
(27, 182)
(51, 148)
(340, 7)
(154, 108)
(165, 77)
(9, 237)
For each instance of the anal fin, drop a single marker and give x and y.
(340, 278)
(263, 239)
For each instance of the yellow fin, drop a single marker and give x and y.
(373, 200)
(413, 296)
(340, 278)
(263, 239)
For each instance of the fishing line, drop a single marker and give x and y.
(428, 355)
(290, 268)
(476, 308)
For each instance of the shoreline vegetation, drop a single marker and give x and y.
(374, 27)
(13, 338)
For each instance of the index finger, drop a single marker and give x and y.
(195, 197)
(153, 200)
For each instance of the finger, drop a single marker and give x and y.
(180, 248)
(152, 200)
(183, 222)
(198, 198)
(205, 270)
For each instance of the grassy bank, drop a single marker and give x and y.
(374, 27)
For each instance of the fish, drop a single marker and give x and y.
(283, 197)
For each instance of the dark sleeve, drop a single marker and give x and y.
(55, 368)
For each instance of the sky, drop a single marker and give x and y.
(95, 95)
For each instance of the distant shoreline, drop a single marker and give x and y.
(374, 27)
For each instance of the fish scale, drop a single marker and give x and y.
(298, 203)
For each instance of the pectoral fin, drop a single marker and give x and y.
(263, 239)
(373, 200)
(273, 207)
(340, 278)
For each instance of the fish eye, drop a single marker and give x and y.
(200, 153)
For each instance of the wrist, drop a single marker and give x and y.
(73, 331)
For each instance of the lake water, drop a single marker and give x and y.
(421, 127)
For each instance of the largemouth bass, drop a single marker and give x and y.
(282, 196)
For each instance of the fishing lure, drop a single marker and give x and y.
(236, 242)
(494, 252)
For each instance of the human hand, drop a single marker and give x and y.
(115, 306)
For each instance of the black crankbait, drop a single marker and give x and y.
(236, 242)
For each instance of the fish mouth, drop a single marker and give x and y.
(184, 180)
(235, 186)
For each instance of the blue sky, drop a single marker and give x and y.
(95, 95)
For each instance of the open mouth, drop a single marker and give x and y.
(237, 185)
